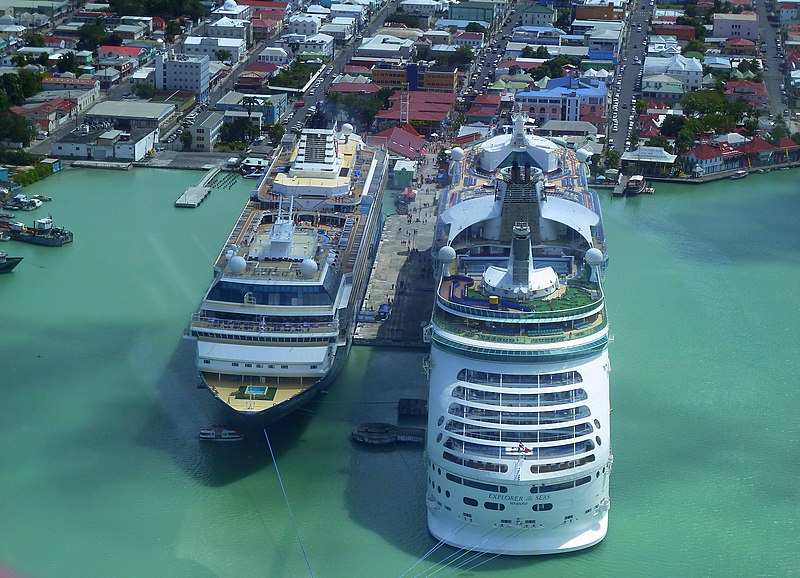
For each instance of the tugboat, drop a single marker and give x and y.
(42, 233)
(221, 433)
(7, 263)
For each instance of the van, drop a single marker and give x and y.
(42, 134)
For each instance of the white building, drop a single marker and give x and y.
(183, 72)
(232, 10)
(423, 7)
(688, 70)
(320, 44)
(275, 55)
(385, 46)
(305, 24)
(349, 11)
(229, 28)
(205, 131)
(211, 47)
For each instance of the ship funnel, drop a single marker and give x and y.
(520, 254)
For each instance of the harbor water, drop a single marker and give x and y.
(102, 473)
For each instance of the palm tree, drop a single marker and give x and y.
(250, 102)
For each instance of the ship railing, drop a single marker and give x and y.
(521, 336)
(522, 401)
(481, 312)
(531, 437)
(266, 326)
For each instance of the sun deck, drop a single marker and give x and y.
(261, 395)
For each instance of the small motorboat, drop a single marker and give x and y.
(6, 215)
(44, 198)
(221, 433)
(5, 237)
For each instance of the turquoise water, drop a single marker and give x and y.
(102, 473)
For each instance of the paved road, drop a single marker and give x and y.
(773, 77)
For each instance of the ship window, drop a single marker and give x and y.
(248, 365)
(312, 366)
(470, 501)
(441, 420)
(271, 366)
(475, 464)
(206, 361)
(235, 364)
(546, 489)
(519, 418)
(516, 436)
(511, 399)
(597, 423)
(597, 439)
(447, 493)
(284, 367)
(534, 380)
(494, 506)
(439, 437)
(557, 467)
(259, 365)
(542, 507)
(485, 487)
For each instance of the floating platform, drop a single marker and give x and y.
(412, 407)
(117, 166)
(193, 196)
(386, 433)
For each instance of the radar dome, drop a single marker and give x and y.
(230, 5)
(583, 155)
(238, 264)
(347, 129)
(308, 267)
(594, 257)
(457, 154)
(447, 254)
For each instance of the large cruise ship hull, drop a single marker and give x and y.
(277, 412)
(515, 511)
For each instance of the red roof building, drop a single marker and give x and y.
(709, 158)
(159, 23)
(740, 46)
(362, 70)
(403, 140)
(484, 108)
(265, 27)
(428, 108)
(112, 51)
(355, 87)
(753, 92)
(48, 115)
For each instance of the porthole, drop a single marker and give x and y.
(542, 507)
(598, 440)
(597, 423)
(440, 471)
(441, 420)
(597, 474)
(447, 493)
(438, 437)
(439, 489)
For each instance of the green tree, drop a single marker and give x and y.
(672, 125)
(475, 27)
(424, 52)
(250, 102)
(114, 39)
(613, 157)
(542, 52)
(172, 29)
(144, 90)
(186, 140)
(36, 40)
(67, 63)
(529, 52)
(694, 45)
(462, 56)
(222, 55)
(91, 36)
(660, 141)
(15, 128)
(514, 69)
(275, 133)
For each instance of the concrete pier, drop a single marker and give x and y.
(402, 276)
(195, 195)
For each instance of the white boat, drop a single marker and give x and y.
(277, 321)
(739, 175)
(518, 441)
(219, 433)
(257, 174)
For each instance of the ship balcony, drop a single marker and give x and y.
(512, 451)
(457, 295)
(201, 322)
(517, 333)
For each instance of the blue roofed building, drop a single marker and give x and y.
(567, 98)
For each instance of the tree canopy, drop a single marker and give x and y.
(166, 9)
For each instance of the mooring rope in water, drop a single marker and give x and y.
(288, 506)
(479, 554)
(438, 545)
(463, 552)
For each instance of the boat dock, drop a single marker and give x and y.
(117, 166)
(619, 189)
(386, 433)
(193, 196)
(399, 298)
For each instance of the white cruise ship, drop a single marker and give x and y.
(277, 321)
(518, 441)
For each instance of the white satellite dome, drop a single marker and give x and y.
(238, 264)
(308, 267)
(457, 154)
(347, 129)
(447, 254)
(230, 5)
(583, 155)
(594, 257)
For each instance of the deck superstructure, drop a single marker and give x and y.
(518, 430)
(277, 321)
